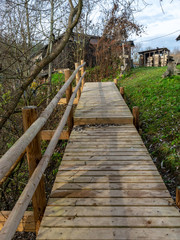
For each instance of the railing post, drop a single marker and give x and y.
(178, 196)
(122, 91)
(34, 156)
(77, 80)
(82, 72)
(136, 117)
(116, 81)
(70, 121)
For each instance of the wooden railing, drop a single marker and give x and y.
(30, 141)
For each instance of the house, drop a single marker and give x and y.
(79, 46)
(154, 57)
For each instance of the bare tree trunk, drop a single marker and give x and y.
(27, 23)
(72, 21)
(49, 90)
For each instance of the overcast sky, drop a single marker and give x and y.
(158, 24)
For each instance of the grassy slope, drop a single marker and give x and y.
(159, 103)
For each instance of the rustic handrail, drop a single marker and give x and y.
(10, 157)
(21, 205)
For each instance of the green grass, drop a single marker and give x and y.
(159, 103)
(57, 78)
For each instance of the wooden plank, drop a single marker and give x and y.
(48, 134)
(99, 162)
(107, 141)
(27, 223)
(107, 137)
(106, 186)
(100, 151)
(108, 233)
(109, 120)
(106, 211)
(104, 114)
(109, 168)
(99, 134)
(107, 173)
(114, 149)
(99, 109)
(119, 108)
(123, 141)
(80, 145)
(109, 158)
(103, 144)
(105, 179)
(110, 193)
(109, 103)
(63, 101)
(110, 128)
(110, 202)
(105, 153)
(107, 222)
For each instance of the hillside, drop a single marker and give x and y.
(159, 103)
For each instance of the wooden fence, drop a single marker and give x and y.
(29, 142)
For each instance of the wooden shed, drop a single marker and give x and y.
(79, 46)
(154, 57)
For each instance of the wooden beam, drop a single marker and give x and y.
(136, 117)
(12, 168)
(77, 80)
(63, 101)
(82, 72)
(34, 156)
(122, 91)
(67, 73)
(26, 224)
(178, 196)
(48, 134)
(70, 120)
(116, 81)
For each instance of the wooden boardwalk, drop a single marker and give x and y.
(101, 102)
(108, 187)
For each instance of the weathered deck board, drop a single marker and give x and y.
(101, 103)
(108, 233)
(107, 186)
(123, 193)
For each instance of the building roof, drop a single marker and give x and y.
(155, 50)
(178, 38)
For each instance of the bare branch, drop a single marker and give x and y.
(73, 20)
(70, 2)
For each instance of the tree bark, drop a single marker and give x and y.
(50, 51)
